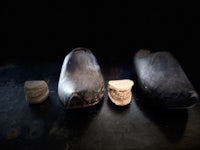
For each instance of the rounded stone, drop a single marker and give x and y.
(162, 82)
(81, 82)
(119, 91)
(36, 91)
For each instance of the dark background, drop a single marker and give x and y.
(113, 30)
(38, 35)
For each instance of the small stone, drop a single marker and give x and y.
(36, 91)
(119, 91)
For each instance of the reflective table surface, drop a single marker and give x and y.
(49, 125)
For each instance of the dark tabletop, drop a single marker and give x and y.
(49, 125)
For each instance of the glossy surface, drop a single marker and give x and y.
(81, 82)
(104, 126)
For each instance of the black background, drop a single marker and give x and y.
(33, 33)
(113, 30)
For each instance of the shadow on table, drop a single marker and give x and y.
(171, 122)
(118, 109)
(50, 126)
(71, 125)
